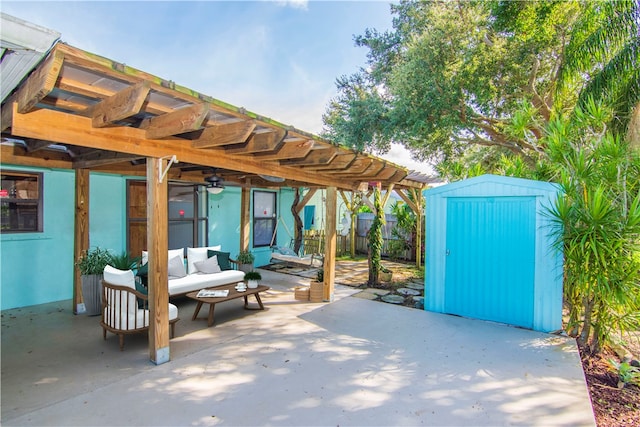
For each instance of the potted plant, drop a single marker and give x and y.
(316, 289)
(245, 261)
(252, 278)
(124, 261)
(385, 274)
(91, 265)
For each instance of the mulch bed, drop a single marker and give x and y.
(612, 406)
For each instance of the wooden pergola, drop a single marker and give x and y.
(84, 112)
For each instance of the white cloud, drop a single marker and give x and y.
(401, 156)
(295, 4)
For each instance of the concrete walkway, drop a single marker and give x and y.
(351, 362)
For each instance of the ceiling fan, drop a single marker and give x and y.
(216, 183)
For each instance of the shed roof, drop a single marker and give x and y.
(492, 179)
(81, 110)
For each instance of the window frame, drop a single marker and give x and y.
(200, 219)
(259, 219)
(38, 201)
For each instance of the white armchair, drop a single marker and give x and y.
(124, 309)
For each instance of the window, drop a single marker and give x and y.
(187, 215)
(264, 218)
(21, 196)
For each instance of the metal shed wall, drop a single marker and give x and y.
(547, 271)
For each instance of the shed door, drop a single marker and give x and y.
(490, 258)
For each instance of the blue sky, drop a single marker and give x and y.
(279, 59)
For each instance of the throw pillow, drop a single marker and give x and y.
(143, 274)
(142, 288)
(223, 259)
(198, 254)
(208, 266)
(175, 270)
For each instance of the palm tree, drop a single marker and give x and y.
(603, 58)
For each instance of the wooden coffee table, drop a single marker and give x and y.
(233, 294)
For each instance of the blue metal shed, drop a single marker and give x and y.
(489, 252)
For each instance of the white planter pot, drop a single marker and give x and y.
(252, 284)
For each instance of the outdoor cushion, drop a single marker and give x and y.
(194, 282)
(175, 270)
(121, 278)
(138, 319)
(209, 265)
(198, 254)
(223, 259)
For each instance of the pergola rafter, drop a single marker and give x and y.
(81, 111)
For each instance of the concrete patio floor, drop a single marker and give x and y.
(350, 362)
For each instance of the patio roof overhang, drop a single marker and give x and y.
(78, 110)
(84, 112)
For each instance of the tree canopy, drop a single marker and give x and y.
(453, 78)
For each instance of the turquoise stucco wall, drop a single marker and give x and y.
(36, 268)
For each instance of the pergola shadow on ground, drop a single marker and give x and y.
(351, 362)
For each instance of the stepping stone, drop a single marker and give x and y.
(365, 295)
(393, 299)
(414, 285)
(407, 291)
(377, 291)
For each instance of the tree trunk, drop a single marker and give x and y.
(375, 239)
(583, 339)
(297, 243)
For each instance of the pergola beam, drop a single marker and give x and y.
(221, 134)
(260, 143)
(40, 83)
(315, 157)
(306, 199)
(77, 130)
(101, 158)
(295, 149)
(126, 103)
(185, 119)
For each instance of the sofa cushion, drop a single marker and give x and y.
(198, 254)
(210, 265)
(223, 259)
(175, 270)
(194, 282)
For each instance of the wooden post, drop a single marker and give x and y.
(158, 246)
(330, 244)
(81, 232)
(245, 218)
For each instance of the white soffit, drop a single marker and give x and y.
(22, 46)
